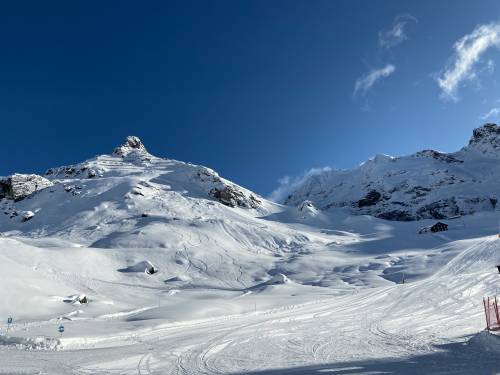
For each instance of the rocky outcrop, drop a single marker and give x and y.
(72, 171)
(225, 192)
(486, 140)
(441, 209)
(131, 144)
(396, 215)
(207, 175)
(19, 186)
(370, 199)
(233, 197)
(442, 156)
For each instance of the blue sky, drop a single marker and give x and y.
(256, 90)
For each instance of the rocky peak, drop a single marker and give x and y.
(131, 144)
(486, 140)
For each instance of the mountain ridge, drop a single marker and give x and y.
(428, 184)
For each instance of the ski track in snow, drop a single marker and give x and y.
(398, 321)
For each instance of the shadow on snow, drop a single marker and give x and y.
(476, 356)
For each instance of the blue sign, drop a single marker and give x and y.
(61, 328)
(9, 320)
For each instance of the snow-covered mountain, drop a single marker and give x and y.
(426, 185)
(198, 228)
(88, 201)
(161, 266)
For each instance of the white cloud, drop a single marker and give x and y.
(288, 185)
(396, 34)
(364, 83)
(494, 112)
(386, 40)
(468, 52)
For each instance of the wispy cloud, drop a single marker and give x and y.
(468, 52)
(364, 83)
(492, 113)
(396, 34)
(288, 184)
(386, 39)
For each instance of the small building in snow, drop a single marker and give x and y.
(439, 227)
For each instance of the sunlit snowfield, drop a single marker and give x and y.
(269, 290)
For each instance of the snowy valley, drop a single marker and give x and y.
(156, 266)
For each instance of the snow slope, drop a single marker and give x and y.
(241, 284)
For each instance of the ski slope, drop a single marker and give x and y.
(236, 289)
(435, 321)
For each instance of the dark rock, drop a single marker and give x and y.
(438, 156)
(72, 171)
(484, 132)
(486, 140)
(232, 197)
(493, 202)
(370, 199)
(441, 209)
(396, 215)
(83, 299)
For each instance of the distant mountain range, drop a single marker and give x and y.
(426, 185)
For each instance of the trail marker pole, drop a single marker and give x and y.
(9, 322)
(61, 329)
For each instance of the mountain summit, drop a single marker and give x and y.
(131, 144)
(486, 140)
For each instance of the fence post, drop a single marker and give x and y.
(486, 314)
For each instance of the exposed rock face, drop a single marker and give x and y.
(132, 144)
(208, 175)
(232, 197)
(438, 156)
(426, 185)
(71, 171)
(225, 192)
(486, 140)
(19, 186)
(370, 199)
(396, 215)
